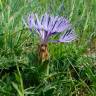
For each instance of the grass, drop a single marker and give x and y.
(71, 66)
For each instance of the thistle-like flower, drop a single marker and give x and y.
(48, 26)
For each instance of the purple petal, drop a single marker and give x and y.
(61, 25)
(37, 22)
(30, 21)
(68, 36)
(51, 25)
(55, 23)
(44, 21)
(42, 18)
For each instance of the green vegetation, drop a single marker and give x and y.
(72, 66)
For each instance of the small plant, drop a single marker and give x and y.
(49, 26)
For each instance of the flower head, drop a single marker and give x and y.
(50, 25)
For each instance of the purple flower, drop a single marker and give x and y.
(49, 25)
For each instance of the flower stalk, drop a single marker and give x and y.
(43, 54)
